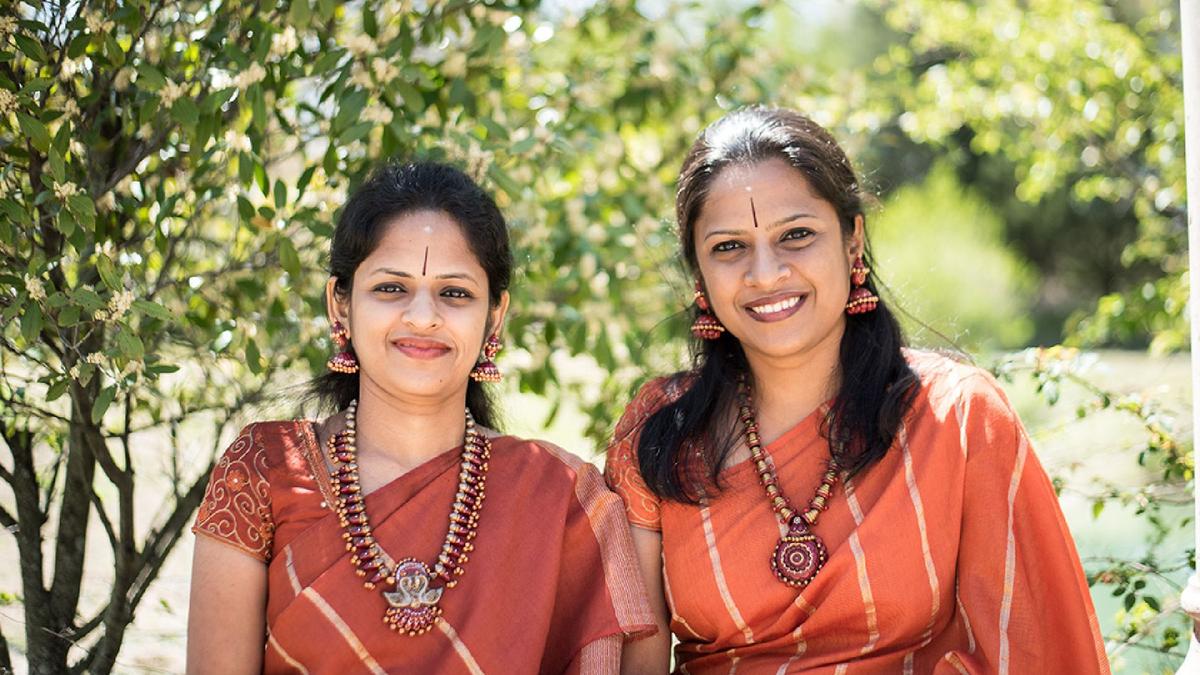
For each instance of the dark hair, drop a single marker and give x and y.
(877, 386)
(396, 190)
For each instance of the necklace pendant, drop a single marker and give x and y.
(413, 606)
(798, 557)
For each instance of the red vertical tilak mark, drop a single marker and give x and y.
(753, 213)
(425, 265)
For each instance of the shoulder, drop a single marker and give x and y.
(270, 444)
(951, 385)
(553, 469)
(649, 399)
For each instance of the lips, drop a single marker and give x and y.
(421, 348)
(776, 307)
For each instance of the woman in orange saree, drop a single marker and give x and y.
(400, 535)
(813, 496)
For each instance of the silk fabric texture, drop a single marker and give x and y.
(551, 587)
(950, 555)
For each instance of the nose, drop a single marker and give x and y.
(766, 268)
(422, 312)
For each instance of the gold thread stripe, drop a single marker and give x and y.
(1010, 552)
(864, 581)
(331, 614)
(962, 611)
(671, 606)
(841, 669)
(953, 660)
(908, 664)
(289, 563)
(964, 409)
(460, 647)
(719, 573)
(910, 478)
(733, 665)
(287, 658)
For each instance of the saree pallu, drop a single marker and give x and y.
(950, 555)
(551, 587)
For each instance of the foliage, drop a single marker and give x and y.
(170, 171)
(942, 252)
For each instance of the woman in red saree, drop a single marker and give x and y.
(400, 535)
(812, 496)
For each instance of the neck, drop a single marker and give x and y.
(788, 389)
(409, 431)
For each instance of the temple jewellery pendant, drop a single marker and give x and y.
(413, 606)
(798, 557)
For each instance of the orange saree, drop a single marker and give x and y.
(551, 586)
(948, 556)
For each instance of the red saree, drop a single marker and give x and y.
(551, 587)
(950, 555)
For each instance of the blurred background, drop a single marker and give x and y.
(171, 171)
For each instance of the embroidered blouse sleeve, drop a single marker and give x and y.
(621, 463)
(236, 509)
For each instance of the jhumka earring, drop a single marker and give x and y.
(862, 300)
(706, 326)
(486, 370)
(343, 361)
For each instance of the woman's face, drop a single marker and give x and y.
(774, 262)
(418, 311)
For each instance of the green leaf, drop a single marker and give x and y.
(245, 209)
(355, 132)
(88, 299)
(31, 323)
(288, 257)
(152, 309)
(69, 316)
(254, 359)
(108, 272)
(35, 131)
(162, 368)
(299, 14)
(100, 406)
(186, 112)
(57, 389)
(302, 183)
(350, 108)
(83, 208)
(130, 345)
(32, 48)
(150, 77)
(280, 194)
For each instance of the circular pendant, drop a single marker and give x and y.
(799, 555)
(414, 604)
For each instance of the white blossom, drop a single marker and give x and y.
(74, 372)
(64, 190)
(123, 79)
(255, 73)
(8, 102)
(119, 304)
(376, 113)
(69, 68)
(236, 141)
(107, 202)
(95, 358)
(361, 45)
(8, 26)
(172, 91)
(384, 70)
(70, 109)
(35, 288)
(284, 43)
(96, 23)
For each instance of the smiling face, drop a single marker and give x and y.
(774, 261)
(418, 309)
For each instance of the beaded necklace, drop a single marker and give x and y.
(800, 554)
(413, 605)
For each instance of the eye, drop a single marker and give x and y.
(457, 293)
(389, 288)
(724, 246)
(797, 234)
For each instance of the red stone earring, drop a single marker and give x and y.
(706, 326)
(862, 300)
(343, 361)
(486, 370)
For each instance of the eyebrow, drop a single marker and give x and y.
(782, 221)
(406, 275)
